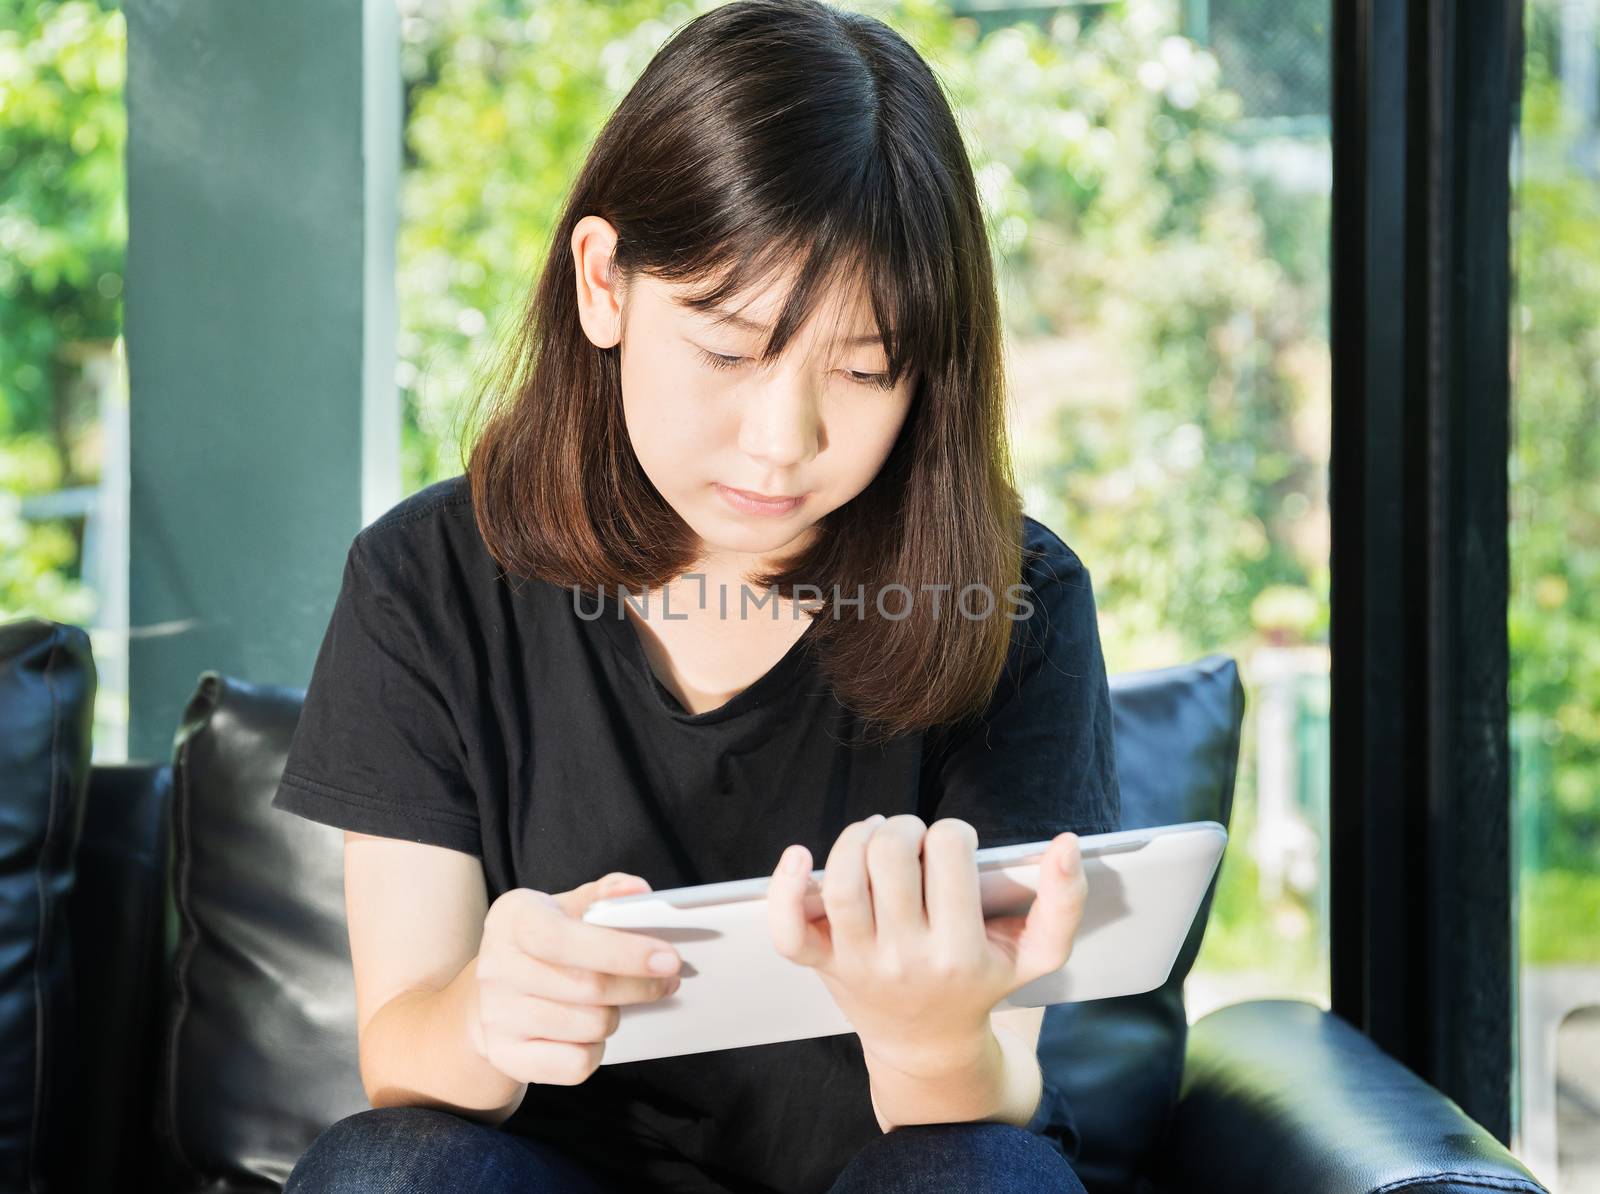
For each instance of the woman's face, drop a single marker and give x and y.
(706, 419)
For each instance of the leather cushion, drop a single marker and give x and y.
(260, 1051)
(47, 689)
(1117, 1063)
(1281, 1094)
(119, 938)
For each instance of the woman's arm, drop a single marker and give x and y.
(416, 916)
(998, 1081)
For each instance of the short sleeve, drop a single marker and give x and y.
(1042, 759)
(376, 749)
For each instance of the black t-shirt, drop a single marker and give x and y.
(451, 705)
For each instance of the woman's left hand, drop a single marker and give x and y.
(904, 948)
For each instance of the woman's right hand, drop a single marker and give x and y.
(549, 985)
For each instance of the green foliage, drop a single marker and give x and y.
(1555, 516)
(38, 560)
(63, 228)
(1185, 463)
(1280, 47)
(63, 221)
(499, 120)
(1278, 941)
(1559, 912)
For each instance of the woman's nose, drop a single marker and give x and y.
(781, 423)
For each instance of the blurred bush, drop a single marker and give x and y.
(63, 229)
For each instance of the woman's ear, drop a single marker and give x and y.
(599, 300)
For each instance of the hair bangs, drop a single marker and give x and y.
(844, 254)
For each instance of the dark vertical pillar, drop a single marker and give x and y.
(1425, 101)
(263, 158)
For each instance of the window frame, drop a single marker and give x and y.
(1425, 99)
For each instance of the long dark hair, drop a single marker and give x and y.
(764, 133)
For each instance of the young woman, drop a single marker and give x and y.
(758, 389)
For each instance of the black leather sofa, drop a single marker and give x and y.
(177, 1011)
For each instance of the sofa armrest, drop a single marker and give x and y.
(1281, 1096)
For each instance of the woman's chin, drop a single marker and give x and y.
(725, 531)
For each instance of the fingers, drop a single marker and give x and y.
(1052, 921)
(550, 986)
(795, 935)
(618, 883)
(894, 877)
(539, 1016)
(846, 896)
(529, 1016)
(543, 930)
(557, 1063)
(952, 892)
(528, 975)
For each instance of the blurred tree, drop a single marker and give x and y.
(63, 228)
(1276, 50)
(1555, 502)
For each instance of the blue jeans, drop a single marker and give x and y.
(423, 1150)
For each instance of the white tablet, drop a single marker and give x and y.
(1144, 888)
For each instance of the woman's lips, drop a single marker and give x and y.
(748, 503)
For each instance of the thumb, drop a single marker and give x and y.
(1053, 920)
(1040, 941)
(618, 883)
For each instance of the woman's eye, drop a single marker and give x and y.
(717, 361)
(876, 380)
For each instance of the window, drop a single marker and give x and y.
(1555, 600)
